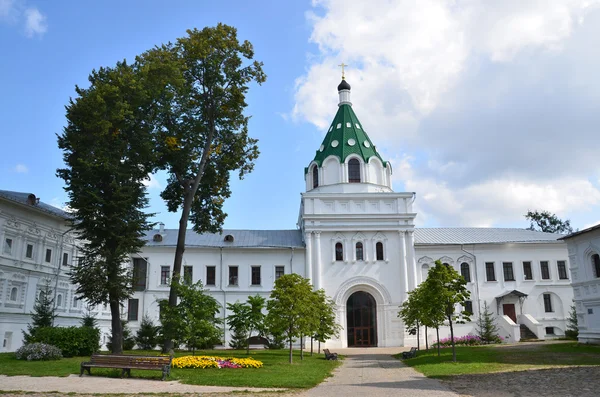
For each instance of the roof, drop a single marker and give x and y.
(346, 136)
(241, 239)
(589, 229)
(481, 235)
(24, 199)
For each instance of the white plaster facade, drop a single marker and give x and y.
(584, 259)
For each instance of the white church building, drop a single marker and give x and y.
(355, 238)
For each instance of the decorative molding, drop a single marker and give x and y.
(365, 284)
(19, 276)
(447, 259)
(465, 258)
(53, 234)
(34, 229)
(12, 222)
(425, 260)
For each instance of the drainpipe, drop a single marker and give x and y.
(222, 290)
(292, 260)
(62, 240)
(476, 277)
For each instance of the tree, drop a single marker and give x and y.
(572, 331)
(88, 319)
(246, 318)
(487, 329)
(324, 309)
(411, 313)
(108, 152)
(446, 287)
(43, 314)
(290, 301)
(147, 336)
(546, 222)
(128, 340)
(202, 133)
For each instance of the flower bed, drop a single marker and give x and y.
(467, 340)
(215, 362)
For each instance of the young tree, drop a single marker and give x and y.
(89, 319)
(487, 329)
(247, 317)
(128, 340)
(447, 288)
(147, 336)
(546, 222)
(324, 310)
(572, 331)
(108, 153)
(411, 313)
(43, 314)
(202, 132)
(290, 302)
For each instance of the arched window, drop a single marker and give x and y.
(464, 271)
(339, 252)
(359, 251)
(354, 171)
(59, 300)
(424, 271)
(75, 300)
(379, 251)
(596, 264)
(13, 294)
(315, 176)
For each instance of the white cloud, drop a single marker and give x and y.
(488, 108)
(35, 22)
(151, 182)
(21, 169)
(6, 8)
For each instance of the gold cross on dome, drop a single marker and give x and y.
(343, 65)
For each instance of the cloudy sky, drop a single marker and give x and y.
(486, 109)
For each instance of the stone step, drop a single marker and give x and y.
(526, 332)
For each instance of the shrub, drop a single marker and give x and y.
(468, 340)
(72, 341)
(38, 351)
(128, 339)
(147, 336)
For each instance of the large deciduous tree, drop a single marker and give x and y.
(203, 132)
(108, 153)
(547, 222)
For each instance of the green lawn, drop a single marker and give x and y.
(486, 359)
(276, 371)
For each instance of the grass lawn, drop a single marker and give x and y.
(276, 372)
(487, 359)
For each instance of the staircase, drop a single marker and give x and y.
(526, 333)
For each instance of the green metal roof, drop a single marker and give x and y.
(346, 136)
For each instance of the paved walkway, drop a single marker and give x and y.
(374, 372)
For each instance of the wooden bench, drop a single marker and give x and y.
(410, 354)
(128, 362)
(329, 355)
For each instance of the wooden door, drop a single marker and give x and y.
(362, 336)
(509, 310)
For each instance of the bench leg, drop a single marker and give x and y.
(81, 371)
(123, 372)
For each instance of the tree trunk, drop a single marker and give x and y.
(183, 222)
(301, 347)
(311, 346)
(437, 331)
(248, 343)
(452, 339)
(426, 341)
(418, 336)
(117, 328)
(319, 347)
(290, 349)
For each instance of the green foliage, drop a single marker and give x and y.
(324, 311)
(246, 318)
(89, 319)
(72, 341)
(276, 340)
(43, 313)
(547, 222)
(290, 303)
(38, 352)
(147, 336)
(487, 329)
(128, 338)
(239, 339)
(572, 331)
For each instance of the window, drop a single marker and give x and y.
(164, 275)
(545, 270)
(188, 275)
(548, 303)
(464, 271)
(468, 306)
(527, 271)
(315, 176)
(279, 271)
(354, 171)
(339, 252)
(562, 270)
(379, 251)
(8, 243)
(140, 269)
(489, 271)
(211, 272)
(132, 310)
(13, 294)
(48, 255)
(508, 271)
(233, 275)
(549, 330)
(59, 300)
(29, 251)
(255, 275)
(359, 251)
(75, 300)
(65, 261)
(596, 263)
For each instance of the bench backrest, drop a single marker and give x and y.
(117, 359)
(327, 352)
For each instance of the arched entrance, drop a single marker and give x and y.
(361, 320)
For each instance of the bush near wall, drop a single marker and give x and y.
(38, 351)
(72, 341)
(467, 340)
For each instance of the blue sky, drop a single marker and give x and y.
(486, 109)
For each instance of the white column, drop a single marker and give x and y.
(403, 263)
(410, 258)
(308, 241)
(318, 272)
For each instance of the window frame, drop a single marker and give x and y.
(136, 272)
(525, 272)
(545, 268)
(548, 303)
(16, 294)
(214, 275)
(277, 275)
(339, 254)
(236, 278)
(561, 268)
(130, 312)
(48, 256)
(508, 270)
(59, 300)
(492, 266)
(596, 264)
(7, 247)
(315, 176)
(255, 282)
(65, 259)
(353, 170)
(28, 254)
(551, 331)
(377, 251)
(188, 280)
(465, 266)
(468, 306)
(360, 249)
(165, 272)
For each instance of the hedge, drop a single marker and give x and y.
(72, 341)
